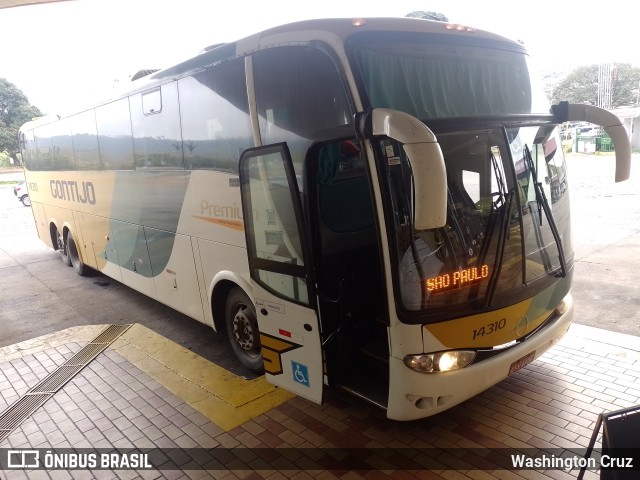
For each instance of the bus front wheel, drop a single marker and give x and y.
(242, 329)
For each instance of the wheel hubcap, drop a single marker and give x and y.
(243, 330)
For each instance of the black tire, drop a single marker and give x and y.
(26, 201)
(242, 330)
(63, 248)
(74, 257)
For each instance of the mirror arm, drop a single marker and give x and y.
(573, 112)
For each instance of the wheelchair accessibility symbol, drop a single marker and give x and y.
(300, 373)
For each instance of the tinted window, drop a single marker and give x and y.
(53, 146)
(215, 117)
(299, 96)
(114, 135)
(44, 153)
(85, 140)
(152, 102)
(344, 198)
(155, 122)
(61, 146)
(29, 153)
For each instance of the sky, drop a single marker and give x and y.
(62, 55)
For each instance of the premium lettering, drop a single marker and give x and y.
(220, 211)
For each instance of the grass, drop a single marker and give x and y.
(5, 167)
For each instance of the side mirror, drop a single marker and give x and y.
(573, 112)
(425, 157)
(430, 184)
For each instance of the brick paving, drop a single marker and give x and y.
(551, 404)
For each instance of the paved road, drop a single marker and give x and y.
(39, 295)
(606, 237)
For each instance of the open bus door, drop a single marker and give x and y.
(280, 271)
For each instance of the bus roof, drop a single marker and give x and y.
(341, 28)
(288, 34)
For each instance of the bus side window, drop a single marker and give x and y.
(43, 148)
(214, 110)
(54, 148)
(114, 135)
(155, 123)
(85, 140)
(299, 95)
(29, 152)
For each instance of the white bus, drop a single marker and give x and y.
(379, 205)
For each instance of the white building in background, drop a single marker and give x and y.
(630, 117)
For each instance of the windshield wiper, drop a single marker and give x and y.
(502, 191)
(543, 204)
(502, 241)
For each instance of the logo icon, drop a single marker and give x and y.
(272, 350)
(23, 459)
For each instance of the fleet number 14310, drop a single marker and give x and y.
(490, 328)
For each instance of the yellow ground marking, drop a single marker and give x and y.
(81, 334)
(224, 398)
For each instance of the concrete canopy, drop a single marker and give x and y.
(21, 3)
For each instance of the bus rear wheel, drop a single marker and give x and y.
(63, 248)
(242, 329)
(74, 257)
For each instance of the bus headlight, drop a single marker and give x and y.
(440, 362)
(564, 305)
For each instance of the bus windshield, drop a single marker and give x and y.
(507, 234)
(435, 77)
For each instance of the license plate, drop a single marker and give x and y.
(523, 362)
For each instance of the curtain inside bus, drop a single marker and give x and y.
(430, 80)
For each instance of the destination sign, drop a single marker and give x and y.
(457, 279)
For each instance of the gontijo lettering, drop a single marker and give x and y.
(82, 192)
(457, 279)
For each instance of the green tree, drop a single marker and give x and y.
(581, 86)
(15, 110)
(440, 17)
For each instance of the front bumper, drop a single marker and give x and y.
(414, 395)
